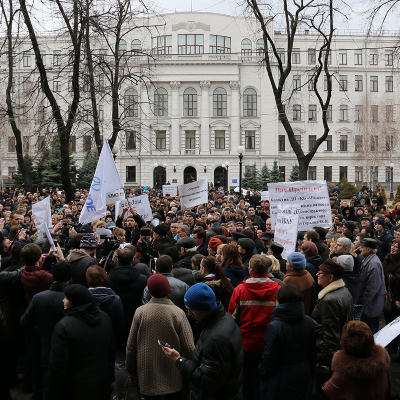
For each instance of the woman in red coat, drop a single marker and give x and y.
(360, 368)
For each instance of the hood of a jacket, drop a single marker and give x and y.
(288, 312)
(88, 313)
(76, 254)
(261, 287)
(102, 295)
(315, 260)
(361, 368)
(236, 272)
(124, 274)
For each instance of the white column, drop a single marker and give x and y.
(174, 143)
(235, 116)
(205, 118)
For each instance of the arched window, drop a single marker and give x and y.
(190, 103)
(219, 102)
(161, 102)
(246, 47)
(131, 103)
(122, 46)
(250, 103)
(136, 45)
(260, 47)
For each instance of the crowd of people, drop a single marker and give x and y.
(196, 302)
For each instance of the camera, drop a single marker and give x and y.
(110, 244)
(25, 227)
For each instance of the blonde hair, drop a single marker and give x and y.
(219, 249)
(334, 242)
(275, 267)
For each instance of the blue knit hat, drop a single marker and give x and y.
(200, 297)
(380, 221)
(297, 260)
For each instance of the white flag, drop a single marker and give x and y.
(41, 213)
(106, 179)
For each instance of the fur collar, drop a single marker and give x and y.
(361, 368)
(335, 285)
(213, 283)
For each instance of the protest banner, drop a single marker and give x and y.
(311, 196)
(106, 179)
(264, 195)
(170, 190)
(41, 213)
(48, 235)
(140, 204)
(194, 193)
(388, 333)
(286, 226)
(244, 191)
(115, 195)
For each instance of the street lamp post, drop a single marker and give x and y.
(240, 150)
(391, 181)
(115, 151)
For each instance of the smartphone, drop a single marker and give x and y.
(162, 344)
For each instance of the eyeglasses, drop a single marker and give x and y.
(394, 246)
(322, 273)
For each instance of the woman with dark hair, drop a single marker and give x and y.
(215, 277)
(360, 368)
(231, 264)
(290, 353)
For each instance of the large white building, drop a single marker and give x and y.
(210, 94)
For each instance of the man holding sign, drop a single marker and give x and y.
(133, 224)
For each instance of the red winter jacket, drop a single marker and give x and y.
(251, 306)
(36, 279)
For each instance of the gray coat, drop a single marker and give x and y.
(373, 287)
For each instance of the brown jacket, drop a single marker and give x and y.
(305, 282)
(160, 320)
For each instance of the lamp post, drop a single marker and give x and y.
(205, 168)
(391, 181)
(240, 150)
(226, 167)
(115, 151)
(174, 167)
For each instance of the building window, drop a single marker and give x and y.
(161, 102)
(357, 57)
(373, 57)
(312, 139)
(311, 57)
(328, 174)
(11, 144)
(57, 85)
(72, 144)
(281, 55)
(373, 173)
(374, 113)
(220, 140)
(250, 103)
(343, 83)
(43, 56)
(358, 143)
(343, 113)
(131, 103)
(324, 56)
(312, 112)
(342, 57)
(328, 143)
(136, 46)
(389, 58)
(190, 140)
(220, 44)
(343, 173)
(260, 47)
(102, 55)
(387, 174)
(87, 143)
(219, 103)
(162, 45)
(250, 140)
(311, 83)
(325, 83)
(130, 140)
(358, 113)
(389, 113)
(282, 142)
(374, 83)
(130, 173)
(389, 143)
(295, 56)
(161, 140)
(359, 174)
(343, 143)
(57, 58)
(298, 139)
(359, 83)
(296, 112)
(388, 83)
(26, 59)
(86, 113)
(312, 173)
(296, 82)
(282, 173)
(374, 143)
(246, 47)
(101, 113)
(101, 83)
(190, 44)
(122, 47)
(281, 115)
(190, 103)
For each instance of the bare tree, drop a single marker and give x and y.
(317, 17)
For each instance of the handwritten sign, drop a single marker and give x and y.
(194, 193)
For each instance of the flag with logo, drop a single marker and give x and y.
(106, 179)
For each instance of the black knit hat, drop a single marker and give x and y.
(161, 229)
(62, 271)
(78, 295)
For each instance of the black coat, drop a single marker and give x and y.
(134, 235)
(44, 311)
(216, 367)
(185, 260)
(353, 283)
(289, 351)
(202, 249)
(81, 362)
(128, 283)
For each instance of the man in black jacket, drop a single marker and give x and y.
(216, 368)
(133, 224)
(44, 311)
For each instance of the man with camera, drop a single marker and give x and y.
(133, 224)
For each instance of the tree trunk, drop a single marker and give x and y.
(303, 168)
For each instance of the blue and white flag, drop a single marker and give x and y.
(106, 179)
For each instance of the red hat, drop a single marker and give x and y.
(309, 249)
(158, 286)
(214, 243)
